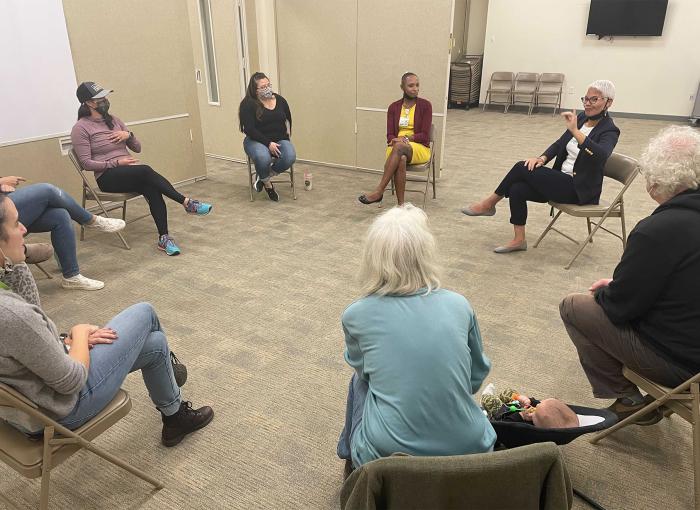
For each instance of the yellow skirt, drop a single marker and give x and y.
(421, 153)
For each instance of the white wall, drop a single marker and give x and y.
(476, 32)
(37, 88)
(652, 75)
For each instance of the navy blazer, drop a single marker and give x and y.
(594, 152)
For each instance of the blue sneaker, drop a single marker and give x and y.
(167, 244)
(197, 207)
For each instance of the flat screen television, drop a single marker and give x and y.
(626, 17)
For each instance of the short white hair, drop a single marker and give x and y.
(605, 87)
(400, 254)
(671, 161)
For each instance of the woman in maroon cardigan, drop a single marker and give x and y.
(408, 124)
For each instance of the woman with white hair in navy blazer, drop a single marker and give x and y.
(577, 174)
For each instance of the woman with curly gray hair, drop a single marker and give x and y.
(647, 316)
(415, 349)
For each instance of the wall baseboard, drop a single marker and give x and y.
(622, 115)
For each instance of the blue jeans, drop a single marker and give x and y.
(262, 159)
(46, 208)
(141, 345)
(357, 394)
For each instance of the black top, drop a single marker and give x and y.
(656, 285)
(271, 127)
(594, 152)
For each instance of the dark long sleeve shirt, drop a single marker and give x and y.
(272, 124)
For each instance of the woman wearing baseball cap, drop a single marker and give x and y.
(102, 143)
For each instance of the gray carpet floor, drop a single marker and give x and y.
(252, 306)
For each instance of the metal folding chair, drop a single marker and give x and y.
(619, 167)
(36, 458)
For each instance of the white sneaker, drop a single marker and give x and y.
(106, 224)
(79, 282)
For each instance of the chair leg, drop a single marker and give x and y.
(588, 239)
(588, 223)
(46, 469)
(695, 391)
(434, 177)
(291, 177)
(250, 180)
(623, 225)
(124, 212)
(392, 185)
(44, 271)
(549, 227)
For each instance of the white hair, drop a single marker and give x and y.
(400, 254)
(671, 161)
(605, 87)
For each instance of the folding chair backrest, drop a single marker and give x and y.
(501, 80)
(621, 168)
(526, 82)
(557, 78)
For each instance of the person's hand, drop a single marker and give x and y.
(127, 161)
(274, 149)
(571, 120)
(603, 282)
(101, 336)
(6, 188)
(532, 163)
(119, 136)
(11, 181)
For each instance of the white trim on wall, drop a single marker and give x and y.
(66, 133)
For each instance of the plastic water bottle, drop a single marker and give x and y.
(307, 181)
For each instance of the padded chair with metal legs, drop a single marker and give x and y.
(36, 458)
(252, 176)
(683, 400)
(427, 167)
(619, 167)
(105, 201)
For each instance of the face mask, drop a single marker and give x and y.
(597, 115)
(8, 265)
(265, 93)
(102, 107)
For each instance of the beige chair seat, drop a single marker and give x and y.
(587, 210)
(25, 455)
(114, 197)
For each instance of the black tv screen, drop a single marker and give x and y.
(626, 17)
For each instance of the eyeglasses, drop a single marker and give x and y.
(591, 100)
(269, 84)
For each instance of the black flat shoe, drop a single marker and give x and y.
(272, 194)
(366, 201)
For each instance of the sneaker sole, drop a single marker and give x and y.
(168, 254)
(178, 439)
(80, 287)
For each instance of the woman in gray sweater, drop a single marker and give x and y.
(72, 380)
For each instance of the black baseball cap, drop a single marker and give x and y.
(90, 90)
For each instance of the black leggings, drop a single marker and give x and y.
(541, 185)
(142, 179)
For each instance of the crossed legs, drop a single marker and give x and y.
(394, 167)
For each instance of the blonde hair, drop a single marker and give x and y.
(400, 254)
(671, 161)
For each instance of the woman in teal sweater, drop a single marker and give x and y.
(416, 351)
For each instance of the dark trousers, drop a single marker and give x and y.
(142, 179)
(605, 348)
(541, 185)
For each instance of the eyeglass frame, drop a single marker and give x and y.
(591, 99)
